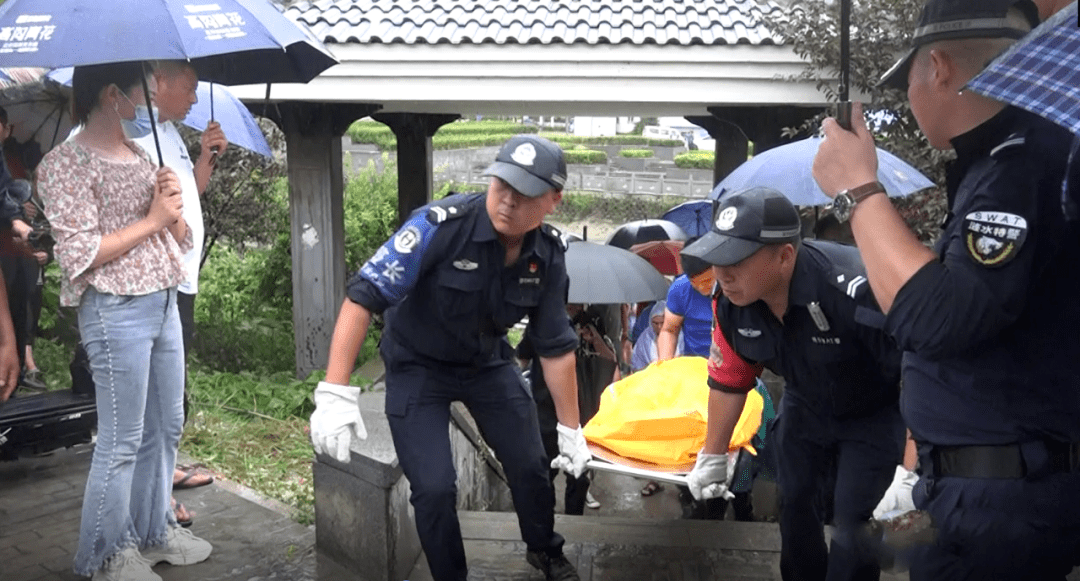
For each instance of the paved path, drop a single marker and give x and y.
(40, 500)
(629, 539)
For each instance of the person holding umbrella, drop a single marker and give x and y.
(120, 239)
(802, 309)
(457, 275)
(987, 319)
(176, 83)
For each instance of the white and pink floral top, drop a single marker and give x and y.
(87, 196)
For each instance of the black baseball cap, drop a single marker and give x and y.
(531, 165)
(744, 222)
(956, 19)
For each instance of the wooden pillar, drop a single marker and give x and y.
(316, 186)
(415, 177)
(731, 145)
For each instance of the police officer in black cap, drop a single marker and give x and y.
(458, 274)
(989, 318)
(802, 309)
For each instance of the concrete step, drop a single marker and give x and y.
(609, 548)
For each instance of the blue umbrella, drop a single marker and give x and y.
(694, 217)
(1041, 72)
(787, 169)
(228, 41)
(214, 103)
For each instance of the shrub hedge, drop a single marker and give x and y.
(565, 139)
(695, 160)
(585, 156)
(465, 134)
(636, 152)
(457, 135)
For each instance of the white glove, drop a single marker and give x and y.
(336, 420)
(574, 453)
(709, 477)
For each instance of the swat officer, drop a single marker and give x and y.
(457, 275)
(988, 319)
(803, 310)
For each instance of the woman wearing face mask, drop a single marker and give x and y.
(120, 239)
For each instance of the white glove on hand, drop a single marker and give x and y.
(709, 477)
(573, 451)
(336, 420)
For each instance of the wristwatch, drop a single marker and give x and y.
(845, 201)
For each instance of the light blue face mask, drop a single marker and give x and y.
(142, 124)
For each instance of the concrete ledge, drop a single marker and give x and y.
(363, 517)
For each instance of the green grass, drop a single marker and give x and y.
(270, 456)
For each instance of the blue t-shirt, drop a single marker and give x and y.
(696, 311)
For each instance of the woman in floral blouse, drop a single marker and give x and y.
(120, 239)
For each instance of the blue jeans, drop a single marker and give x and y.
(137, 360)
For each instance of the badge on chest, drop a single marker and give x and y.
(530, 274)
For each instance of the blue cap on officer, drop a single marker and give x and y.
(956, 19)
(531, 165)
(744, 222)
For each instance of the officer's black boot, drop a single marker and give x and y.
(556, 568)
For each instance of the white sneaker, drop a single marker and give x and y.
(591, 502)
(180, 548)
(127, 565)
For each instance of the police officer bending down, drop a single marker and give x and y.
(989, 319)
(803, 310)
(455, 277)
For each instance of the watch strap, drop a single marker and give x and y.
(857, 194)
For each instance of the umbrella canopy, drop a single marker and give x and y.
(694, 217)
(228, 41)
(601, 274)
(662, 254)
(788, 169)
(640, 231)
(37, 108)
(239, 125)
(1041, 72)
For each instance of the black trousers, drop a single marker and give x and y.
(185, 303)
(418, 402)
(20, 278)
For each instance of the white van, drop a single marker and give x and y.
(657, 132)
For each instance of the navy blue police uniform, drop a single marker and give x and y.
(448, 301)
(992, 361)
(839, 410)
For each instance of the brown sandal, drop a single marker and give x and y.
(183, 516)
(194, 477)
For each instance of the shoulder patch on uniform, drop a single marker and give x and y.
(559, 235)
(448, 208)
(993, 239)
(1012, 143)
(851, 284)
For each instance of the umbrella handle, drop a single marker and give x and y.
(153, 122)
(843, 114)
(213, 150)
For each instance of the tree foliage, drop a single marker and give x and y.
(245, 202)
(880, 32)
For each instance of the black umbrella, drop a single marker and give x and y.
(640, 231)
(601, 274)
